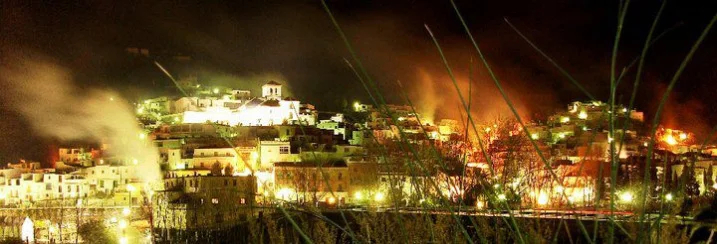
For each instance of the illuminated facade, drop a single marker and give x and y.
(237, 109)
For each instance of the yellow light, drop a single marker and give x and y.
(670, 140)
(487, 129)
(112, 98)
(583, 115)
(668, 197)
(564, 119)
(496, 186)
(626, 197)
(501, 197)
(624, 110)
(122, 224)
(216, 90)
(2, 195)
(130, 188)
(358, 195)
(535, 136)
(559, 189)
(126, 211)
(113, 219)
(140, 110)
(51, 229)
(284, 193)
(102, 161)
(134, 161)
(683, 136)
(379, 197)
(142, 136)
(332, 200)
(542, 199)
(714, 186)
(176, 119)
(480, 204)
(561, 135)
(123, 240)
(357, 106)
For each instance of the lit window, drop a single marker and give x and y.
(242, 201)
(215, 201)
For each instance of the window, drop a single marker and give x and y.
(284, 150)
(242, 201)
(341, 175)
(235, 182)
(215, 201)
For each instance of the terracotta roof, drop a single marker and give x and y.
(271, 103)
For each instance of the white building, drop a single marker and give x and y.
(271, 152)
(270, 109)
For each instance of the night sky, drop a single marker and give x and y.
(243, 44)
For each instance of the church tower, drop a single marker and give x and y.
(271, 90)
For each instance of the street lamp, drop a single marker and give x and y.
(626, 197)
(379, 197)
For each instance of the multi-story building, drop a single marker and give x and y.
(200, 203)
(313, 182)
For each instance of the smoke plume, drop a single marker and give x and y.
(45, 95)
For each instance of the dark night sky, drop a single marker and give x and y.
(240, 43)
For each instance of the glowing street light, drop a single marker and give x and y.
(542, 199)
(626, 197)
(358, 196)
(126, 211)
(332, 200)
(683, 136)
(583, 115)
(122, 224)
(668, 197)
(480, 204)
(123, 240)
(379, 197)
(142, 136)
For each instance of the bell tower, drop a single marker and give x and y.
(271, 90)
